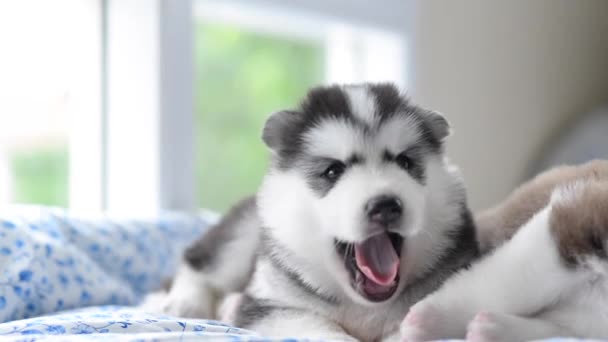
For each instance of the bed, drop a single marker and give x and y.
(70, 278)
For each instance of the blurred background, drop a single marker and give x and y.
(142, 105)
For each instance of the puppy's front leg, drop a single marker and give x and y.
(218, 263)
(190, 295)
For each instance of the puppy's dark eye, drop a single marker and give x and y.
(334, 171)
(403, 161)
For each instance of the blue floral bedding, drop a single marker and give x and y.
(114, 323)
(53, 263)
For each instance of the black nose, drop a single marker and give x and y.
(384, 210)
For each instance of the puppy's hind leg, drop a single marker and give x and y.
(219, 263)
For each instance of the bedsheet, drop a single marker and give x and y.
(52, 261)
(113, 323)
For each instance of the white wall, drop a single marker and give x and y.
(507, 74)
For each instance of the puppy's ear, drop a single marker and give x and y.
(277, 128)
(439, 125)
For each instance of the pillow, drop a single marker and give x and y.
(51, 260)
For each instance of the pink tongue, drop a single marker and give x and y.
(377, 259)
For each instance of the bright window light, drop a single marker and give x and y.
(46, 83)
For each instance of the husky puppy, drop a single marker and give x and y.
(548, 277)
(359, 217)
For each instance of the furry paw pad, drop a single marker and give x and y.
(484, 327)
(419, 323)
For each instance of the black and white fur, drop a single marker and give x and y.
(279, 250)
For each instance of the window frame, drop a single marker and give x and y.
(150, 84)
(149, 158)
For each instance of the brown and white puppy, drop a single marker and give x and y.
(548, 277)
(498, 224)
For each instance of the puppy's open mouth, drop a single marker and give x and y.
(373, 265)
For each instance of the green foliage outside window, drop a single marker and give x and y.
(242, 77)
(40, 175)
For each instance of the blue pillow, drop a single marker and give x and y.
(51, 260)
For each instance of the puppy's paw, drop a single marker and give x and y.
(228, 306)
(153, 302)
(421, 323)
(197, 303)
(487, 327)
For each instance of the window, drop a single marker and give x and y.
(39, 172)
(241, 77)
(46, 79)
(137, 106)
(251, 61)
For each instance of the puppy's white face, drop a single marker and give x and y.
(348, 191)
(385, 163)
